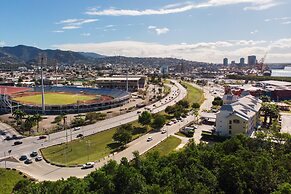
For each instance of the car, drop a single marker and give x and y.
(17, 142)
(14, 136)
(38, 158)
(23, 157)
(79, 135)
(8, 138)
(163, 131)
(28, 161)
(42, 137)
(170, 123)
(77, 128)
(138, 112)
(149, 139)
(33, 154)
(88, 165)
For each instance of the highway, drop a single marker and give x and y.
(39, 169)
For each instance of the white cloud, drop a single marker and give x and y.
(203, 51)
(160, 31)
(70, 27)
(254, 32)
(58, 31)
(85, 34)
(151, 27)
(186, 6)
(77, 22)
(281, 19)
(70, 24)
(287, 22)
(2, 43)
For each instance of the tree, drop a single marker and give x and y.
(270, 111)
(145, 118)
(122, 136)
(196, 114)
(37, 118)
(217, 101)
(265, 98)
(18, 116)
(92, 117)
(284, 188)
(183, 103)
(159, 121)
(29, 123)
(195, 105)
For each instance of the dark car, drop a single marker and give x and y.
(8, 138)
(28, 161)
(23, 157)
(14, 136)
(42, 137)
(17, 142)
(80, 135)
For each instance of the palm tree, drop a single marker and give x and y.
(18, 116)
(37, 118)
(28, 124)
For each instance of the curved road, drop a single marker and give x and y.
(44, 171)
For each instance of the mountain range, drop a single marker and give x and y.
(27, 55)
(21, 55)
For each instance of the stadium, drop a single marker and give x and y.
(60, 100)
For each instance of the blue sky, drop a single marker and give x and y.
(203, 30)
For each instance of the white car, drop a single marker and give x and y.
(38, 158)
(88, 165)
(163, 131)
(149, 139)
(77, 128)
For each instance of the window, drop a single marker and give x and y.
(229, 126)
(236, 121)
(230, 122)
(229, 132)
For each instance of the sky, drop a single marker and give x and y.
(199, 30)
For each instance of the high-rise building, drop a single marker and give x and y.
(252, 60)
(164, 70)
(242, 61)
(225, 61)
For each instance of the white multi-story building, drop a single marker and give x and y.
(239, 117)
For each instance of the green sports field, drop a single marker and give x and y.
(55, 98)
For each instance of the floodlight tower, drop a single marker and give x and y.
(55, 65)
(42, 61)
(127, 80)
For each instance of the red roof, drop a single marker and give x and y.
(12, 90)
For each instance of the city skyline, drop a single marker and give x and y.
(205, 30)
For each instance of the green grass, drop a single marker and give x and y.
(166, 146)
(8, 179)
(55, 98)
(167, 89)
(180, 134)
(166, 81)
(193, 94)
(101, 145)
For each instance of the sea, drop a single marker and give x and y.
(286, 72)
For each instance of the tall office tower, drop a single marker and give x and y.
(242, 61)
(225, 61)
(252, 60)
